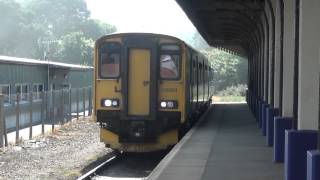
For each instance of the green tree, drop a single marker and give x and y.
(64, 16)
(229, 69)
(62, 27)
(11, 20)
(76, 48)
(95, 28)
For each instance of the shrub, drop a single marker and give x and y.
(234, 90)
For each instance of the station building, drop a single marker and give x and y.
(69, 84)
(21, 75)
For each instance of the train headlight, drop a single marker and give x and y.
(169, 104)
(110, 102)
(107, 102)
(163, 104)
(115, 103)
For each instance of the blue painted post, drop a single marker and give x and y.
(263, 103)
(247, 95)
(313, 165)
(313, 157)
(271, 113)
(280, 125)
(264, 119)
(258, 110)
(297, 143)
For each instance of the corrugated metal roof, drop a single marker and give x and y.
(26, 61)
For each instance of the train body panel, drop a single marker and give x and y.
(148, 88)
(164, 140)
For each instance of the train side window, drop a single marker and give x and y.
(110, 60)
(169, 61)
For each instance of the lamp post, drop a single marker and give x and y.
(46, 52)
(46, 58)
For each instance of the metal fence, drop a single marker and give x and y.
(25, 110)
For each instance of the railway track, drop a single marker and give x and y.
(125, 165)
(90, 174)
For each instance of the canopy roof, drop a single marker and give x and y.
(227, 24)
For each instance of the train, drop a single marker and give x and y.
(148, 90)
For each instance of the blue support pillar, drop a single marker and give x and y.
(256, 106)
(263, 103)
(270, 114)
(297, 143)
(280, 125)
(263, 123)
(251, 101)
(259, 110)
(247, 96)
(313, 165)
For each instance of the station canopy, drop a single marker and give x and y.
(226, 24)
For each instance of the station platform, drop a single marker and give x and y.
(226, 144)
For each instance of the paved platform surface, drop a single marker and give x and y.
(225, 145)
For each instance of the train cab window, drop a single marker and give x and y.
(110, 65)
(110, 60)
(170, 61)
(169, 66)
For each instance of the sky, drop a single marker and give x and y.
(156, 16)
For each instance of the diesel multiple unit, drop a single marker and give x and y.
(149, 88)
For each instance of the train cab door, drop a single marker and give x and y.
(139, 82)
(140, 87)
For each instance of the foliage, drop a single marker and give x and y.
(238, 90)
(76, 48)
(61, 28)
(228, 99)
(229, 69)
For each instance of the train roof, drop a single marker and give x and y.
(52, 64)
(141, 33)
(150, 34)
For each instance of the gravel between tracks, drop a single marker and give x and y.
(61, 155)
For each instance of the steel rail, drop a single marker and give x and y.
(93, 171)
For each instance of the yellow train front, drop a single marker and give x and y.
(149, 88)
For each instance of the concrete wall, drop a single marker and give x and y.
(309, 64)
(276, 7)
(288, 58)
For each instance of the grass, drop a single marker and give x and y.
(229, 98)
